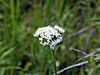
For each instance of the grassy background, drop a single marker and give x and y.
(21, 53)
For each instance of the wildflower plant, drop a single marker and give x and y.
(50, 36)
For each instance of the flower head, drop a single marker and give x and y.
(49, 36)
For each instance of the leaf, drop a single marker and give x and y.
(28, 65)
(6, 53)
(90, 72)
(98, 66)
(3, 49)
(98, 49)
(2, 72)
(98, 24)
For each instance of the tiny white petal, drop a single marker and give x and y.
(61, 30)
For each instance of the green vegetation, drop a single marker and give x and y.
(21, 53)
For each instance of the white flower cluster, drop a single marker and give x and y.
(49, 36)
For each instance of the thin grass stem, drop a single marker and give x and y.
(54, 56)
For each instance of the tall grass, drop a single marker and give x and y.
(21, 54)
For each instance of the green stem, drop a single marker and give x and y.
(54, 56)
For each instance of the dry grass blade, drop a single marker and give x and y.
(74, 65)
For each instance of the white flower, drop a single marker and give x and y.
(49, 36)
(59, 29)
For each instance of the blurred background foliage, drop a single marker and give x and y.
(21, 53)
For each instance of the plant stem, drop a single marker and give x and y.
(54, 61)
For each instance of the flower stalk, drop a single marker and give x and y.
(54, 56)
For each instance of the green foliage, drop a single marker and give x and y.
(20, 18)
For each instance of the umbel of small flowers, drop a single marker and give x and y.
(49, 36)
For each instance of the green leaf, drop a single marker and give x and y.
(98, 25)
(6, 53)
(97, 49)
(2, 71)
